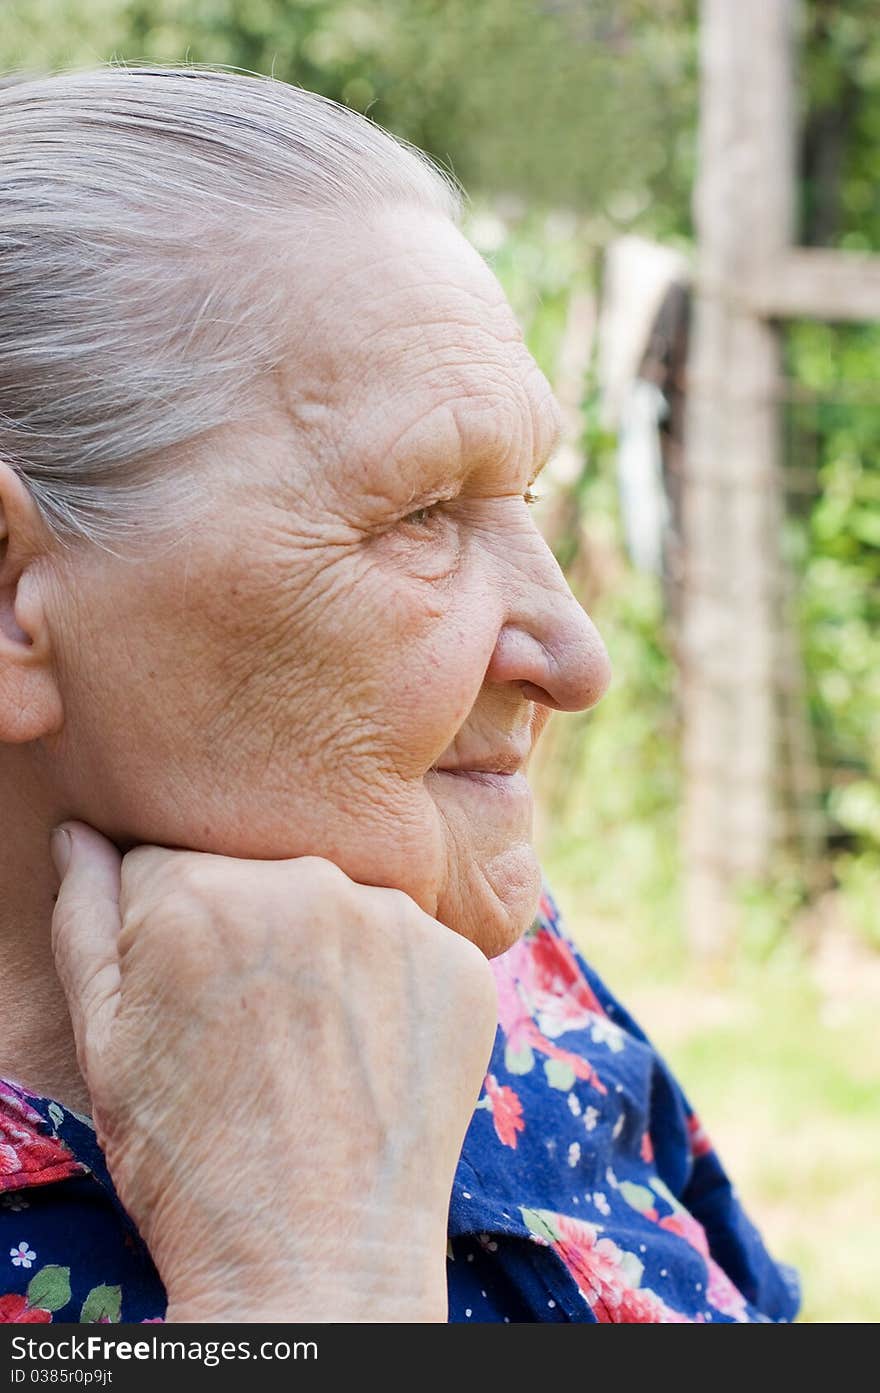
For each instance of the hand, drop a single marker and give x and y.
(282, 1064)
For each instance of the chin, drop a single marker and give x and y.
(498, 901)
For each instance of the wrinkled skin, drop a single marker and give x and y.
(282, 682)
(362, 595)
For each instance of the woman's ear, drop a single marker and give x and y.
(30, 701)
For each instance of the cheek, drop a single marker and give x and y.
(431, 689)
(135, 660)
(434, 648)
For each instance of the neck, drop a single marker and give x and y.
(36, 1039)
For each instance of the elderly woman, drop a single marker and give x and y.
(277, 638)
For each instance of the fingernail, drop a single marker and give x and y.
(60, 846)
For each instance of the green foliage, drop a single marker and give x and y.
(617, 827)
(581, 106)
(837, 538)
(838, 549)
(38, 35)
(859, 877)
(840, 68)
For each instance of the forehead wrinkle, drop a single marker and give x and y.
(464, 435)
(467, 415)
(380, 289)
(498, 423)
(503, 398)
(455, 350)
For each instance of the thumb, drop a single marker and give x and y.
(85, 929)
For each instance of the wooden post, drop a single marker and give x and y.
(732, 506)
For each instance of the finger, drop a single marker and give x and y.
(85, 929)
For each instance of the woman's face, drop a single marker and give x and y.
(362, 604)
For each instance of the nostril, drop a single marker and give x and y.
(539, 694)
(569, 659)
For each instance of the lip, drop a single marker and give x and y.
(503, 764)
(489, 777)
(514, 784)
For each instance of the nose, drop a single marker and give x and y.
(548, 645)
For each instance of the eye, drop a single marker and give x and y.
(420, 516)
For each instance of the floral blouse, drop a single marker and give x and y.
(586, 1188)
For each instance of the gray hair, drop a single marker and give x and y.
(134, 312)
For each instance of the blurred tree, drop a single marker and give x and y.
(553, 102)
(37, 35)
(840, 150)
(834, 427)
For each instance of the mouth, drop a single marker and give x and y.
(489, 778)
(470, 782)
(505, 765)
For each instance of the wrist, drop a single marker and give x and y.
(393, 1275)
(332, 1300)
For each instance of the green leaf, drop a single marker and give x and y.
(639, 1196)
(49, 1288)
(519, 1061)
(560, 1074)
(101, 1302)
(540, 1222)
(663, 1190)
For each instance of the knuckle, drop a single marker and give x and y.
(192, 877)
(163, 893)
(320, 874)
(152, 877)
(398, 905)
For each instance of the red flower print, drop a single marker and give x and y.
(723, 1295)
(552, 986)
(506, 1111)
(608, 1277)
(688, 1228)
(522, 1032)
(9, 1162)
(646, 1150)
(14, 1309)
(720, 1291)
(547, 909)
(699, 1142)
(556, 975)
(27, 1157)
